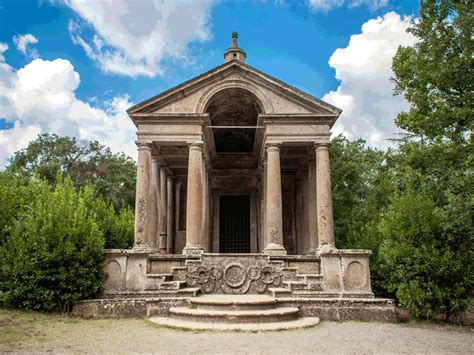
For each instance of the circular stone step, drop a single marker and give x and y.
(246, 327)
(234, 316)
(240, 302)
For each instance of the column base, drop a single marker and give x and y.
(326, 249)
(193, 249)
(143, 248)
(274, 249)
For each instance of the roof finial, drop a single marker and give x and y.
(235, 37)
(234, 52)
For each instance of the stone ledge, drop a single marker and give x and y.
(334, 309)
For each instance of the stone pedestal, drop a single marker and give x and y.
(274, 215)
(194, 201)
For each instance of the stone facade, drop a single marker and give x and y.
(234, 194)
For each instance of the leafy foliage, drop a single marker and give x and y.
(437, 75)
(113, 175)
(53, 255)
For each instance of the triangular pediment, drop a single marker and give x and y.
(276, 96)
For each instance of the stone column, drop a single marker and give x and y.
(177, 211)
(194, 201)
(324, 198)
(154, 201)
(274, 217)
(170, 214)
(142, 197)
(264, 216)
(163, 211)
(205, 208)
(312, 209)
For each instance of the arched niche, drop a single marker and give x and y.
(229, 108)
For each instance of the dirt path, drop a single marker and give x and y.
(27, 332)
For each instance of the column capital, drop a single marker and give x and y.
(272, 147)
(322, 146)
(170, 178)
(196, 145)
(143, 146)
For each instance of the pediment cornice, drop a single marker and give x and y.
(221, 76)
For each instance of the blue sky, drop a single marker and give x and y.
(73, 67)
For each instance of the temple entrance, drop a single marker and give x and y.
(234, 224)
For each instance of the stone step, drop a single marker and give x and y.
(188, 292)
(279, 292)
(245, 327)
(173, 285)
(234, 302)
(163, 277)
(295, 285)
(310, 277)
(149, 294)
(179, 273)
(234, 316)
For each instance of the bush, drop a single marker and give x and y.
(53, 254)
(427, 262)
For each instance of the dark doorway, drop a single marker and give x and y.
(234, 224)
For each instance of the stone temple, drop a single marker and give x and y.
(234, 209)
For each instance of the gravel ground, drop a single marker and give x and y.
(29, 332)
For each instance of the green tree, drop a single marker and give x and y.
(362, 183)
(436, 76)
(427, 229)
(14, 197)
(113, 175)
(53, 255)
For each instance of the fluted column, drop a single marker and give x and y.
(312, 209)
(142, 197)
(170, 214)
(194, 201)
(274, 217)
(163, 211)
(324, 198)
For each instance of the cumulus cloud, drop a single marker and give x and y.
(3, 49)
(23, 42)
(364, 70)
(327, 5)
(40, 98)
(133, 36)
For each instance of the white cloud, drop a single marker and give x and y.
(3, 49)
(23, 42)
(133, 36)
(364, 70)
(40, 98)
(327, 5)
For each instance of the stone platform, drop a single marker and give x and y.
(235, 312)
(330, 286)
(332, 309)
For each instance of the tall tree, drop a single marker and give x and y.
(113, 175)
(436, 76)
(427, 255)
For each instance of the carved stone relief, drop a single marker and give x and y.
(234, 277)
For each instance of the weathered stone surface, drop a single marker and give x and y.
(227, 274)
(235, 134)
